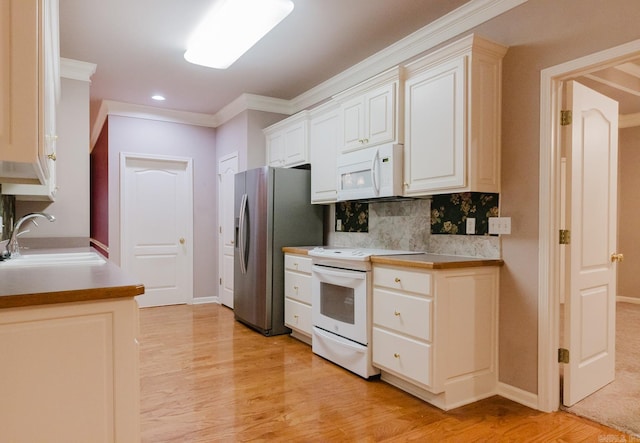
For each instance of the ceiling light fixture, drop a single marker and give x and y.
(158, 97)
(231, 28)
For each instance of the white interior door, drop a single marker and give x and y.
(227, 168)
(589, 321)
(156, 227)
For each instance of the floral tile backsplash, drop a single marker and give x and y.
(449, 212)
(7, 214)
(406, 225)
(352, 216)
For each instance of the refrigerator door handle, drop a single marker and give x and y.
(241, 235)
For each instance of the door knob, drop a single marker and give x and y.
(181, 240)
(617, 257)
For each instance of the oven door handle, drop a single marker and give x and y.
(326, 272)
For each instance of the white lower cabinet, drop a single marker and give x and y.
(435, 332)
(69, 372)
(297, 296)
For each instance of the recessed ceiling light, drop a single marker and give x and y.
(231, 27)
(158, 97)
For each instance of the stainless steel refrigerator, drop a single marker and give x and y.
(272, 209)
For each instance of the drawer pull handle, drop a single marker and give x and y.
(397, 280)
(396, 355)
(396, 313)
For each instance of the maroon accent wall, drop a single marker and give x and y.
(99, 193)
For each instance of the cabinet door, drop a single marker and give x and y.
(324, 142)
(435, 131)
(275, 149)
(353, 116)
(295, 144)
(22, 151)
(380, 113)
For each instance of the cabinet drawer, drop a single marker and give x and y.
(297, 286)
(403, 356)
(297, 263)
(297, 316)
(400, 279)
(403, 313)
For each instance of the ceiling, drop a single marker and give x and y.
(138, 47)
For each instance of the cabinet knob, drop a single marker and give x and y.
(396, 355)
(296, 288)
(181, 240)
(52, 157)
(396, 313)
(295, 265)
(397, 280)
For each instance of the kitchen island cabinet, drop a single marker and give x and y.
(435, 327)
(68, 341)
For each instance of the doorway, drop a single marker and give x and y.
(156, 225)
(227, 168)
(550, 210)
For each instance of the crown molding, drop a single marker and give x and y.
(458, 21)
(461, 20)
(76, 70)
(252, 102)
(110, 107)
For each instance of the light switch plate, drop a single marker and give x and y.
(471, 225)
(499, 225)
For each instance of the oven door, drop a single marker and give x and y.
(339, 301)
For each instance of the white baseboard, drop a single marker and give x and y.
(204, 300)
(634, 300)
(518, 395)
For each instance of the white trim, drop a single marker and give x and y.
(76, 70)
(110, 107)
(633, 300)
(518, 395)
(549, 212)
(205, 300)
(458, 21)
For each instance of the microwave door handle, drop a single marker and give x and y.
(374, 171)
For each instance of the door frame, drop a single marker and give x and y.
(549, 276)
(124, 156)
(220, 211)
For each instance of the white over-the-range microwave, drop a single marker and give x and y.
(369, 173)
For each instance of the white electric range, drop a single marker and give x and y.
(341, 295)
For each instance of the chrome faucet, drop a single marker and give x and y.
(13, 247)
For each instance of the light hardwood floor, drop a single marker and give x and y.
(207, 378)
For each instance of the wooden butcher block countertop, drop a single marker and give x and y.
(42, 285)
(423, 261)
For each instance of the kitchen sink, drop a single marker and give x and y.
(54, 259)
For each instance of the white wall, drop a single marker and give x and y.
(137, 135)
(71, 207)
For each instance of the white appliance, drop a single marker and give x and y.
(374, 172)
(341, 306)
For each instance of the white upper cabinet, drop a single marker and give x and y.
(371, 112)
(324, 142)
(452, 125)
(288, 141)
(29, 91)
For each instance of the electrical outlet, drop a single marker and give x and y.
(338, 225)
(499, 225)
(471, 225)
